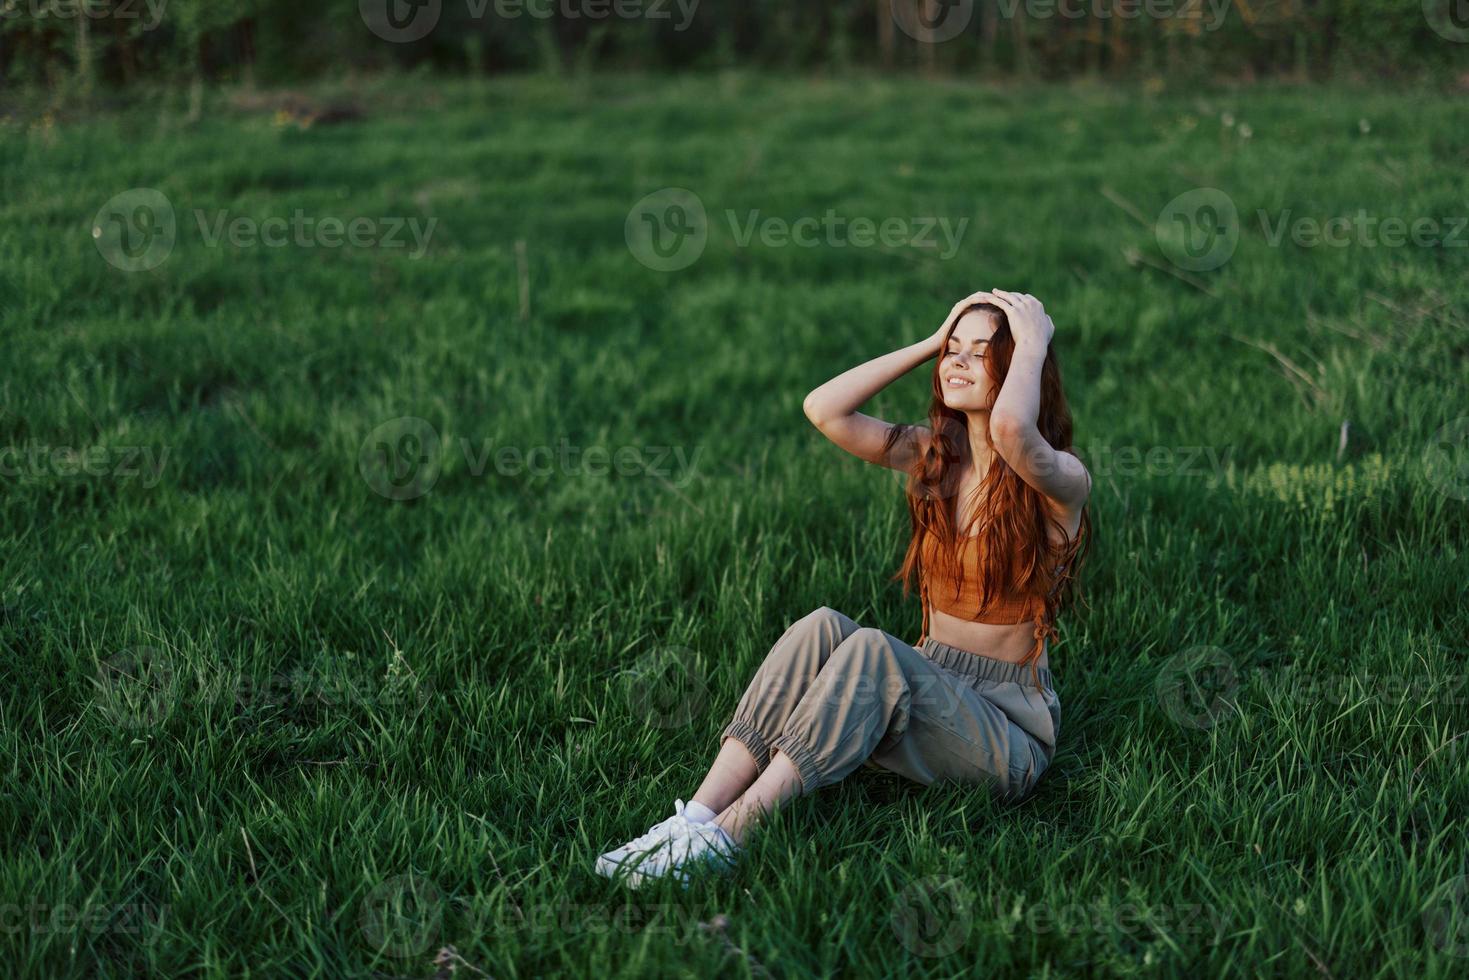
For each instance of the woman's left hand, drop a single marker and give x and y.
(1030, 324)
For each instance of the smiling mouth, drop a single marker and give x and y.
(957, 382)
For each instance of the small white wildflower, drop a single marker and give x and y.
(1227, 119)
(1245, 132)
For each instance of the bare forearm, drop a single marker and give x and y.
(850, 390)
(1019, 401)
(1053, 470)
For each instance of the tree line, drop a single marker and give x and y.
(91, 43)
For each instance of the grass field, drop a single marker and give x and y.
(294, 684)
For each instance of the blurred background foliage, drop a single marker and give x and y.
(88, 47)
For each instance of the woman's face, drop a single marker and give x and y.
(962, 377)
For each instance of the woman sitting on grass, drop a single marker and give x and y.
(998, 506)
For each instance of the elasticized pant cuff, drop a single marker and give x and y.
(751, 738)
(806, 765)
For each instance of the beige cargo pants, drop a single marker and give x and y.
(834, 696)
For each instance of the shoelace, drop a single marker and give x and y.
(676, 824)
(680, 838)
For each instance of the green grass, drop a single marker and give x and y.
(250, 703)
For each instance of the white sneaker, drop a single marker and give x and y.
(608, 864)
(673, 848)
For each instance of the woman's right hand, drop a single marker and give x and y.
(833, 407)
(937, 340)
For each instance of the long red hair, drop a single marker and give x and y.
(1012, 521)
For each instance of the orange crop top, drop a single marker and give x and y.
(939, 590)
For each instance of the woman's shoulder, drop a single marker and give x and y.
(1071, 451)
(1069, 513)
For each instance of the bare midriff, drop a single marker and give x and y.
(1013, 628)
(1010, 642)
